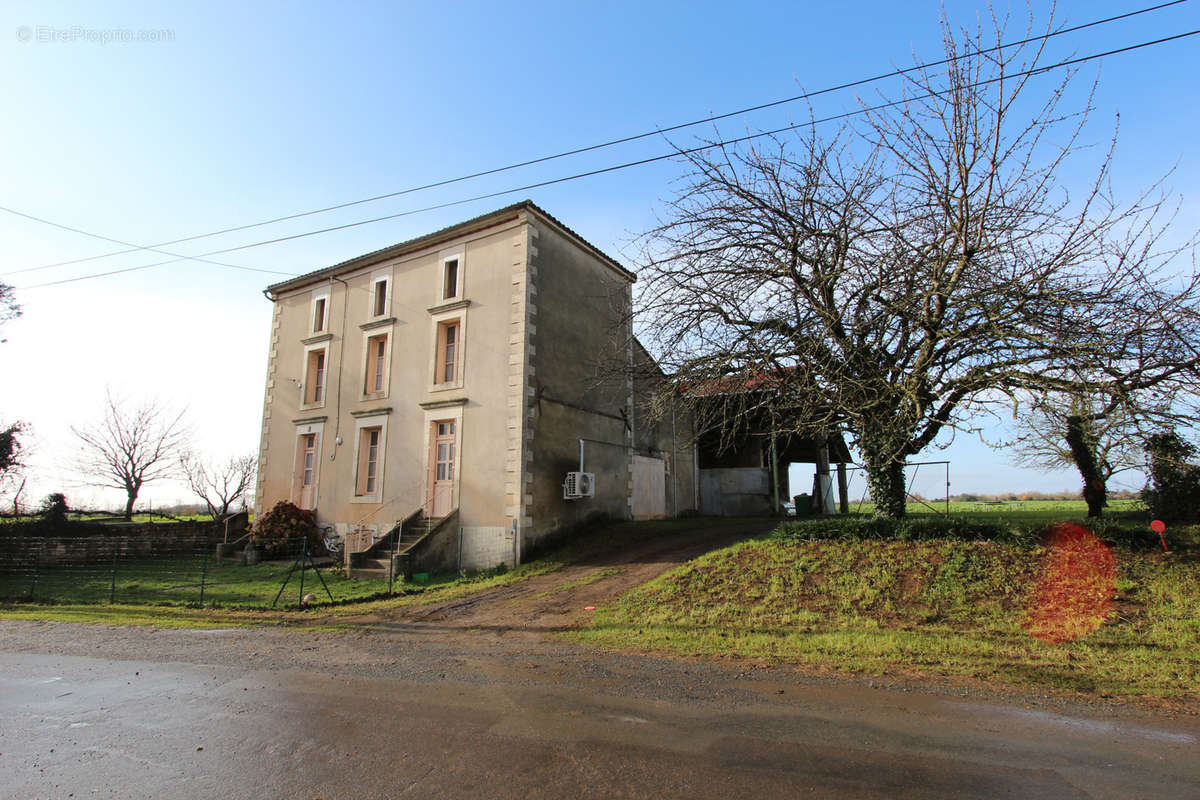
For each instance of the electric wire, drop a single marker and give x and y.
(136, 248)
(601, 145)
(640, 162)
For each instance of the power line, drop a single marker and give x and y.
(135, 247)
(626, 165)
(609, 143)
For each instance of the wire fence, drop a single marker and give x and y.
(165, 567)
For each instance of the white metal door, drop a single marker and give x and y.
(649, 488)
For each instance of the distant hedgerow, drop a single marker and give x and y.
(1129, 534)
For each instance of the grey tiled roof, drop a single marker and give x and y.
(421, 241)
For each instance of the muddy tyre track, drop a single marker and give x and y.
(559, 600)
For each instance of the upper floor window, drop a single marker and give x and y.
(314, 377)
(375, 378)
(379, 307)
(450, 279)
(449, 347)
(320, 313)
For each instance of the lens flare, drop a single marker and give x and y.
(1075, 592)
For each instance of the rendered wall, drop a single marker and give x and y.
(664, 430)
(579, 386)
(480, 405)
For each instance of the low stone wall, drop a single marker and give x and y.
(82, 543)
(438, 552)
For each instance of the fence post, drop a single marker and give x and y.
(303, 564)
(112, 588)
(204, 569)
(37, 564)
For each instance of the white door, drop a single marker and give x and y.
(649, 488)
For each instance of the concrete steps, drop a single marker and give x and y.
(376, 562)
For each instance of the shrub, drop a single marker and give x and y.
(54, 509)
(1173, 493)
(281, 530)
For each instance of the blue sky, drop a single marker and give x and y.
(236, 113)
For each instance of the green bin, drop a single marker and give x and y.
(804, 506)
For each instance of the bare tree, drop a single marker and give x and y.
(1091, 433)
(11, 448)
(18, 490)
(1097, 416)
(13, 452)
(11, 445)
(900, 275)
(131, 446)
(9, 309)
(219, 484)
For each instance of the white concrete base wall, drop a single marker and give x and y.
(484, 547)
(735, 491)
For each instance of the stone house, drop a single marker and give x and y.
(436, 400)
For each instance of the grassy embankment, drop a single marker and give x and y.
(937, 607)
(165, 593)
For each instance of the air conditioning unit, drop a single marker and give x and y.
(579, 485)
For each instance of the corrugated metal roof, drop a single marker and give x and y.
(444, 233)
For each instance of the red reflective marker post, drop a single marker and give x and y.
(1158, 526)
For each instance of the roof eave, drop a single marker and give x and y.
(487, 220)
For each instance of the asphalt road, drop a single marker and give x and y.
(87, 711)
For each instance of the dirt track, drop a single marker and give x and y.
(559, 600)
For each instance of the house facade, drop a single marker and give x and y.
(461, 376)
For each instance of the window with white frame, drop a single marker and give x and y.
(316, 368)
(451, 278)
(320, 313)
(375, 373)
(370, 441)
(380, 296)
(449, 351)
(369, 457)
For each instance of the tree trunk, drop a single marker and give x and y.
(1096, 497)
(17, 497)
(130, 498)
(885, 479)
(1083, 452)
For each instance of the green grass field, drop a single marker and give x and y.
(178, 581)
(1016, 511)
(164, 593)
(929, 608)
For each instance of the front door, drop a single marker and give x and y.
(306, 471)
(441, 467)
